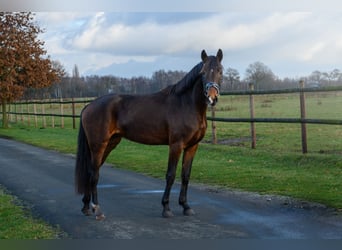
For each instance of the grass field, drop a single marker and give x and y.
(16, 222)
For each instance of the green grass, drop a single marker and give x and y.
(16, 222)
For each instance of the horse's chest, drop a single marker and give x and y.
(198, 133)
(202, 128)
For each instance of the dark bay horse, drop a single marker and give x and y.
(174, 116)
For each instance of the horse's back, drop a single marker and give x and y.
(103, 101)
(142, 119)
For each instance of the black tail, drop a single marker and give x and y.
(83, 163)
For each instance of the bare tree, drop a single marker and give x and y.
(332, 76)
(259, 73)
(76, 83)
(335, 74)
(56, 89)
(233, 76)
(316, 78)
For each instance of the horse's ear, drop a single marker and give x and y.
(204, 55)
(219, 55)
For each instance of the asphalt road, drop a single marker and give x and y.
(131, 202)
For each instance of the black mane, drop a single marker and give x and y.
(187, 81)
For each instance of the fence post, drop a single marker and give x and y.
(28, 111)
(22, 111)
(9, 115)
(73, 113)
(43, 115)
(213, 126)
(303, 116)
(251, 109)
(16, 111)
(62, 113)
(35, 115)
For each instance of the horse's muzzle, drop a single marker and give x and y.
(212, 101)
(212, 93)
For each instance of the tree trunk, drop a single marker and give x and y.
(4, 113)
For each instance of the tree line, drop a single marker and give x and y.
(94, 85)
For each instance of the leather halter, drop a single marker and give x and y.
(209, 85)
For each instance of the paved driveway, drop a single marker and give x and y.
(131, 203)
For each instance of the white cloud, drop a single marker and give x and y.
(97, 40)
(311, 52)
(151, 38)
(259, 31)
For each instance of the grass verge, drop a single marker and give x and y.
(16, 222)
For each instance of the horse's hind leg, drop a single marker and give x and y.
(87, 196)
(95, 206)
(188, 157)
(86, 206)
(97, 160)
(92, 195)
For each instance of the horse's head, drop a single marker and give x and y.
(212, 75)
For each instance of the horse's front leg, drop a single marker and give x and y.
(188, 157)
(174, 154)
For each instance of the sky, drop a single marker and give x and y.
(127, 41)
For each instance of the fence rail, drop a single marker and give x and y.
(278, 120)
(71, 113)
(302, 120)
(284, 91)
(61, 107)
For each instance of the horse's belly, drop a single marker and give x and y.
(147, 136)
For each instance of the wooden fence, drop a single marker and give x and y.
(71, 109)
(61, 109)
(302, 120)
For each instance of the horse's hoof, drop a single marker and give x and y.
(86, 211)
(100, 217)
(167, 214)
(188, 212)
(98, 213)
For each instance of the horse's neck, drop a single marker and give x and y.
(199, 98)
